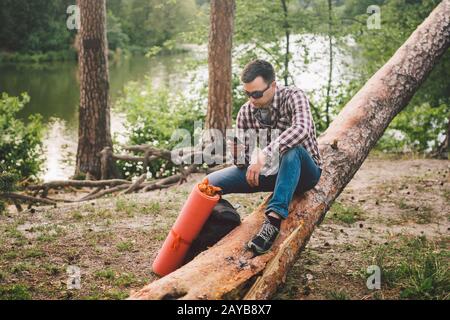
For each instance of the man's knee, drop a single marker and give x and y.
(293, 154)
(215, 179)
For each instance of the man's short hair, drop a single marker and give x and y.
(258, 68)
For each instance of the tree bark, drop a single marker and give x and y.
(226, 270)
(219, 64)
(94, 133)
(287, 34)
(330, 70)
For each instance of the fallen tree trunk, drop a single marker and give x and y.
(227, 270)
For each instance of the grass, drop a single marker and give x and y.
(12, 232)
(122, 280)
(337, 295)
(10, 255)
(49, 233)
(420, 214)
(52, 269)
(416, 266)
(402, 204)
(126, 206)
(76, 215)
(152, 208)
(33, 253)
(15, 292)
(126, 280)
(20, 268)
(117, 294)
(347, 214)
(108, 274)
(125, 246)
(446, 194)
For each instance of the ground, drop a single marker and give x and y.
(395, 214)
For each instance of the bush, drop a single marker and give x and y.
(152, 117)
(418, 128)
(20, 143)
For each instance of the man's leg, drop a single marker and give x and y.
(297, 172)
(233, 180)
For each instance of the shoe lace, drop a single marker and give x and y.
(267, 231)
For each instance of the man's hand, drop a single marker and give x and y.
(254, 169)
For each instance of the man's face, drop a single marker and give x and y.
(260, 85)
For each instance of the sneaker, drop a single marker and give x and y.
(264, 239)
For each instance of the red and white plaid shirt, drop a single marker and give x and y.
(291, 115)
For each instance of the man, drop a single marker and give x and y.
(272, 106)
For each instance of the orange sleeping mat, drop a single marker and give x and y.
(188, 225)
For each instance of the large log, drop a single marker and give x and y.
(227, 270)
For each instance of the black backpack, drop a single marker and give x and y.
(222, 220)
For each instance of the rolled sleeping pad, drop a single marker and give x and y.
(188, 225)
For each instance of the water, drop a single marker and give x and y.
(54, 91)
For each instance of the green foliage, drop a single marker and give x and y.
(29, 26)
(152, 117)
(416, 129)
(8, 181)
(151, 23)
(20, 144)
(260, 29)
(39, 27)
(116, 36)
(108, 274)
(420, 126)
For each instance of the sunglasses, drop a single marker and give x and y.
(256, 94)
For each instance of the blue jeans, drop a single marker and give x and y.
(297, 173)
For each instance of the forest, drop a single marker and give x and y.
(97, 96)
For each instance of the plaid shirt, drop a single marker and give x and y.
(291, 115)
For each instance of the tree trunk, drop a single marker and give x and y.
(219, 65)
(287, 34)
(330, 70)
(94, 132)
(227, 270)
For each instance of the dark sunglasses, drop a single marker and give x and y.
(256, 94)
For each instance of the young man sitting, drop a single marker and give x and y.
(272, 106)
